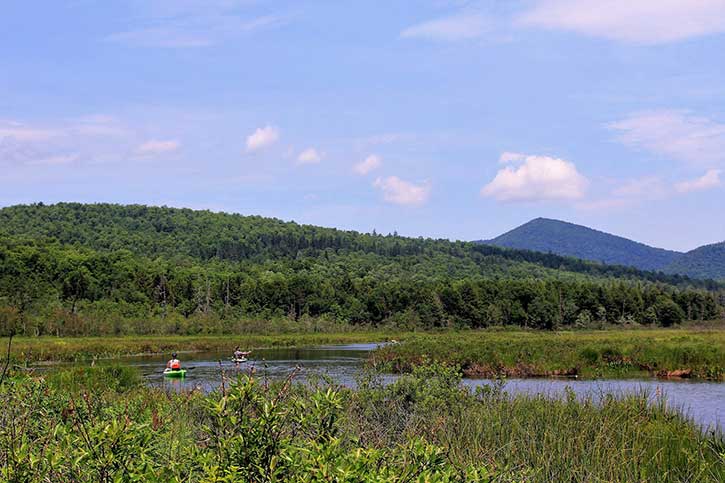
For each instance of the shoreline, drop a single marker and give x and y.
(480, 354)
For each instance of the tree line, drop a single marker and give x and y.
(51, 288)
(205, 236)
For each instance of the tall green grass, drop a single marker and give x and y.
(36, 349)
(613, 438)
(113, 377)
(425, 427)
(614, 353)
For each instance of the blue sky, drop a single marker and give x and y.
(452, 119)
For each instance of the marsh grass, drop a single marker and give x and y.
(424, 427)
(67, 349)
(635, 437)
(113, 377)
(612, 353)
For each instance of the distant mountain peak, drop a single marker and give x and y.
(704, 262)
(569, 239)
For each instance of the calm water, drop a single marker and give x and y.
(702, 401)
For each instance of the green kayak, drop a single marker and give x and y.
(175, 373)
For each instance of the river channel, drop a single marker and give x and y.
(702, 401)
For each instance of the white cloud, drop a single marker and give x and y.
(368, 164)
(461, 26)
(711, 179)
(155, 147)
(309, 156)
(400, 192)
(638, 21)
(677, 135)
(538, 178)
(262, 137)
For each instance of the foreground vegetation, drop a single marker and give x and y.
(99, 425)
(78, 270)
(612, 353)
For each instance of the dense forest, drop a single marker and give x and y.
(73, 269)
(568, 239)
(704, 262)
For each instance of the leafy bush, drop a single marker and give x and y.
(424, 428)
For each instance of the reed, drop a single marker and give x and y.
(610, 353)
(423, 427)
(57, 349)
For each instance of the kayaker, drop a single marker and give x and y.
(238, 354)
(174, 364)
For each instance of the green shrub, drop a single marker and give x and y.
(116, 377)
(424, 428)
(590, 355)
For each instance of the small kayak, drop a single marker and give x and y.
(175, 372)
(239, 360)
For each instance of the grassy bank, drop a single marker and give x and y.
(85, 426)
(39, 349)
(697, 353)
(682, 352)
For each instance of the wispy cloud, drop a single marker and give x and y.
(460, 26)
(309, 156)
(20, 132)
(161, 37)
(647, 187)
(537, 178)
(158, 147)
(711, 179)
(629, 192)
(677, 135)
(191, 23)
(640, 21)
(262, 137)
(646, 22)
(79, 140)
(367, 165)
(58, 160)
(635, 191)
(400, 192)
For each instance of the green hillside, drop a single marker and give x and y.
(96, 269)
(568, 239)
(705, 262)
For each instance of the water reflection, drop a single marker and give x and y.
(704, 402)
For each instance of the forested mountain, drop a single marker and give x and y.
(705, 262)
(97, 269)
(174, 233)
(562, 238)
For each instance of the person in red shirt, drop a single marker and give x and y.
(174, 364)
